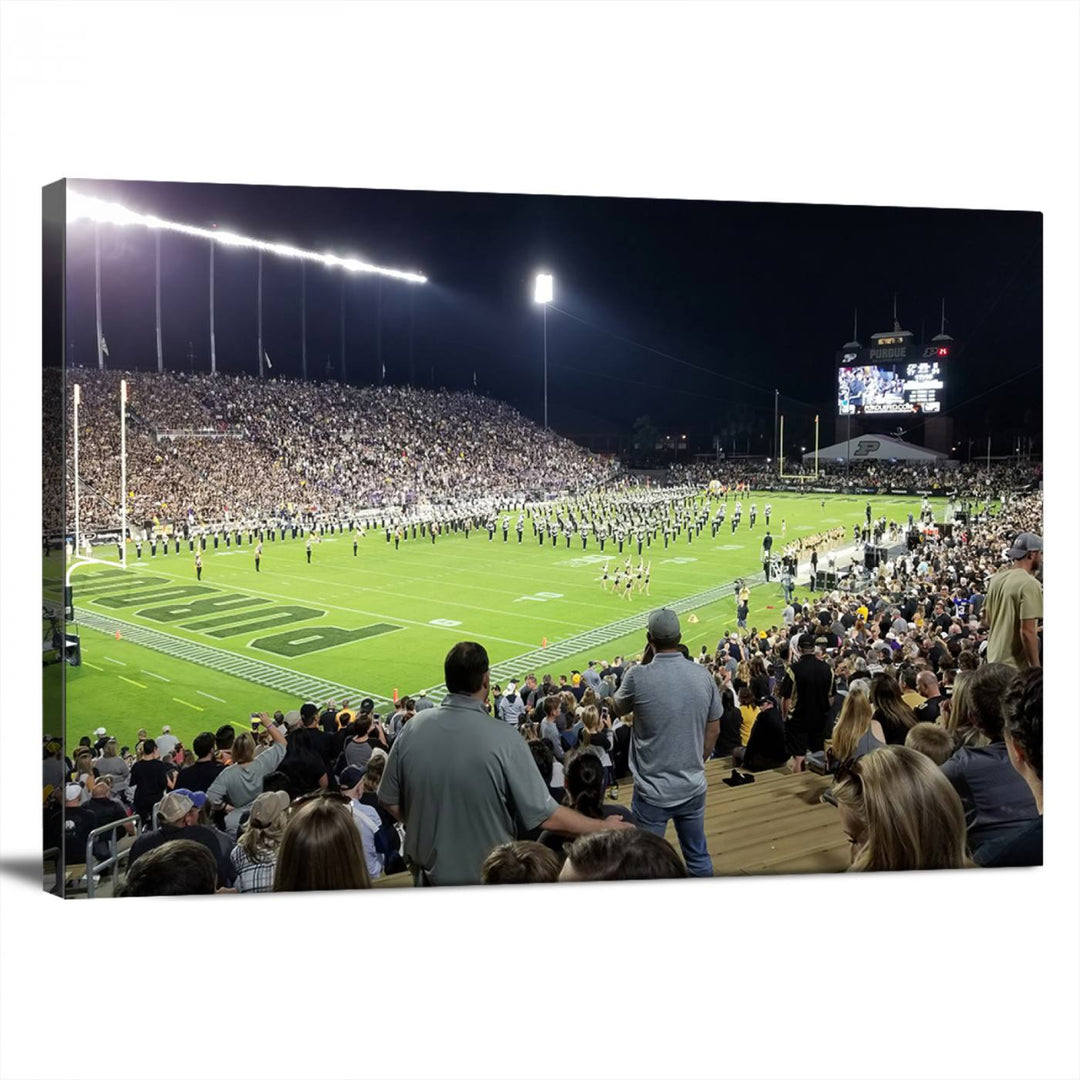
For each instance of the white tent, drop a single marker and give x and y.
(875, 448)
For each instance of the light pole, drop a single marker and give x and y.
(97, 297)
(260, 317)
(545, 293)
(76, 432)
(123, 473)
(157, 299)
(213, 343)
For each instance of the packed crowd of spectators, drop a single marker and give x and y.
(233, 447)
(919, 690)
(915, 684)
(969, 480)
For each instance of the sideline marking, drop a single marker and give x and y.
(87, 663)
(153, 676)
(197, 708)
(211, 696)
(142, 686)
(120, 662)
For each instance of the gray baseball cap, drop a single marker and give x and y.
(664, 626)
(1024, 544)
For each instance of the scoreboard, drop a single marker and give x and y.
(893, 376)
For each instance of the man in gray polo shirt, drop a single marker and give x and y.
(463, 782)
(677, 710)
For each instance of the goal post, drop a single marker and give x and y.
(817, 445)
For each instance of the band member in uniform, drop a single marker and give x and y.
(355, 542)
(198, 566)
(307, 548)
(768, 513)
(506, 529)
(138, 549)
(258, 555)
(397, 539)
(753, 514)
(519, 528)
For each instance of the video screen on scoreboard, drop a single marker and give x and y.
(890, 388)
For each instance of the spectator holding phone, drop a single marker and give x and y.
(239, 784)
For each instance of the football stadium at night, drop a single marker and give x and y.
(598, 485)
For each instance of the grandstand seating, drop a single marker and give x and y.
(777, 824)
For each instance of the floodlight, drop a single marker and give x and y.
(98, 210)
(545, 288)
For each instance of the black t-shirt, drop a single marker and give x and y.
(929, 710)
(199, 833)
(148, 778)
(305, 769)
(848, 619)
(767, 746)
(730, 731)
(200, 776)
(79, 823)
(814, 686)
(824, 638)
(938, 652)
(324, 743)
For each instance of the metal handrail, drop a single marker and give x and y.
(115, 857)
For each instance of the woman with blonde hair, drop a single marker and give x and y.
(597, 738)
(857, 732)
(900, 813)
(956, 714)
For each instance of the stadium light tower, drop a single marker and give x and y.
(545, 293)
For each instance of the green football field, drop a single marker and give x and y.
(159, 647)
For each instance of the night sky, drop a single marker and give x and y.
(757, 295)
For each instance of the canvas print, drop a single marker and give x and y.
(411, 539)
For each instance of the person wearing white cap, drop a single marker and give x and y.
(166, 741)
(1014, 606)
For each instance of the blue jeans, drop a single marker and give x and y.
(689, 818)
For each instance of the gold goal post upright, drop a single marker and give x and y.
(817, 445)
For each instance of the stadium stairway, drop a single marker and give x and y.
(776, 825)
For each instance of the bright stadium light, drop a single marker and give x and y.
(545, 288)
(545, 293)
(85, 207)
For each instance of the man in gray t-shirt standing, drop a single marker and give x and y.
(464, 782)
(677, 710)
